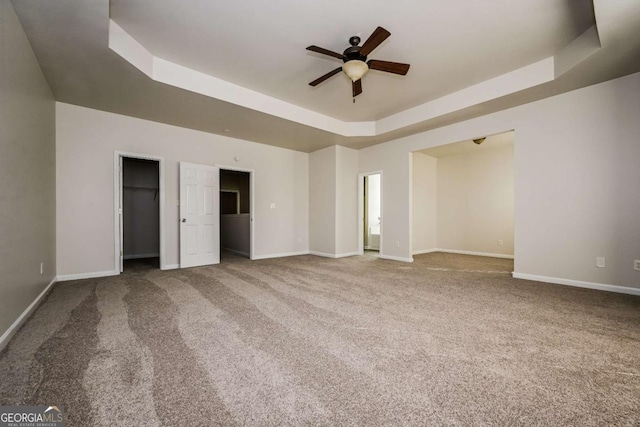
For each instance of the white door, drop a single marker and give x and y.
(199, 215)
(120, 216)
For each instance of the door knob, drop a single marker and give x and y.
(184, 219)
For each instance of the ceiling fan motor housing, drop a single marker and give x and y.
(353, 52)
(355, 60)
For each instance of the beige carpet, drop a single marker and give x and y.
(447, 340)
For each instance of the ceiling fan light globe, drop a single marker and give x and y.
(355, 69)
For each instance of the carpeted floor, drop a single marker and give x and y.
(447, 340)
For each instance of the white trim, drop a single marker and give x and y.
(163, 71)
(361, 209)
(11, 331)
(346, 254)
(487, 254)
(117, 187)
(140, 256)
(410, 223)
(281, 255)
(236, 252)
(252, 204)
(328, 255)
(579, 284)
(170, 267)
(117, 206)
(395, 258)
(336, 206)
(322, 254)
(167, 72)
(509, 83)
(425, 251)
(93, 275)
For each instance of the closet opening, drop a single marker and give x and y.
(235, 214)
(139, 201)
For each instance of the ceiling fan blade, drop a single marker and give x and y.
(389, 67)
(357, 87)
(374, 40)
(325, 52)
(319, 80)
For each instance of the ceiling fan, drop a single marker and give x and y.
(355, 60)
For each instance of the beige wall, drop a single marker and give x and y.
(346, 201)
(475, 199)
(27, 172)
(85, 208)
(322, 201)
(235, 233)
(333, 201)
(575, 183)
(424, 203)
(395, 163)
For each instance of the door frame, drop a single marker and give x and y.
(251, 202)
(361, 177)
(117, 199)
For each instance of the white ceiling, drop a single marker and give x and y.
(260, 45)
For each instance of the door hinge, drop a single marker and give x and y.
(120, 211)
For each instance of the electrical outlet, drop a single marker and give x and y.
(500, 242)
(272, 206)
(600, 262)
(636, 264)
(397, 243)
(41, 268)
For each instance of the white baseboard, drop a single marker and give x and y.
(579, 284)
(346, 254)
(281, 255)
(395, 258)
(322, 254)
(487, 254)
(67, 277)
(9, 333)
(424, 251)
(170, 267)
(328, 255)
(139, 256)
